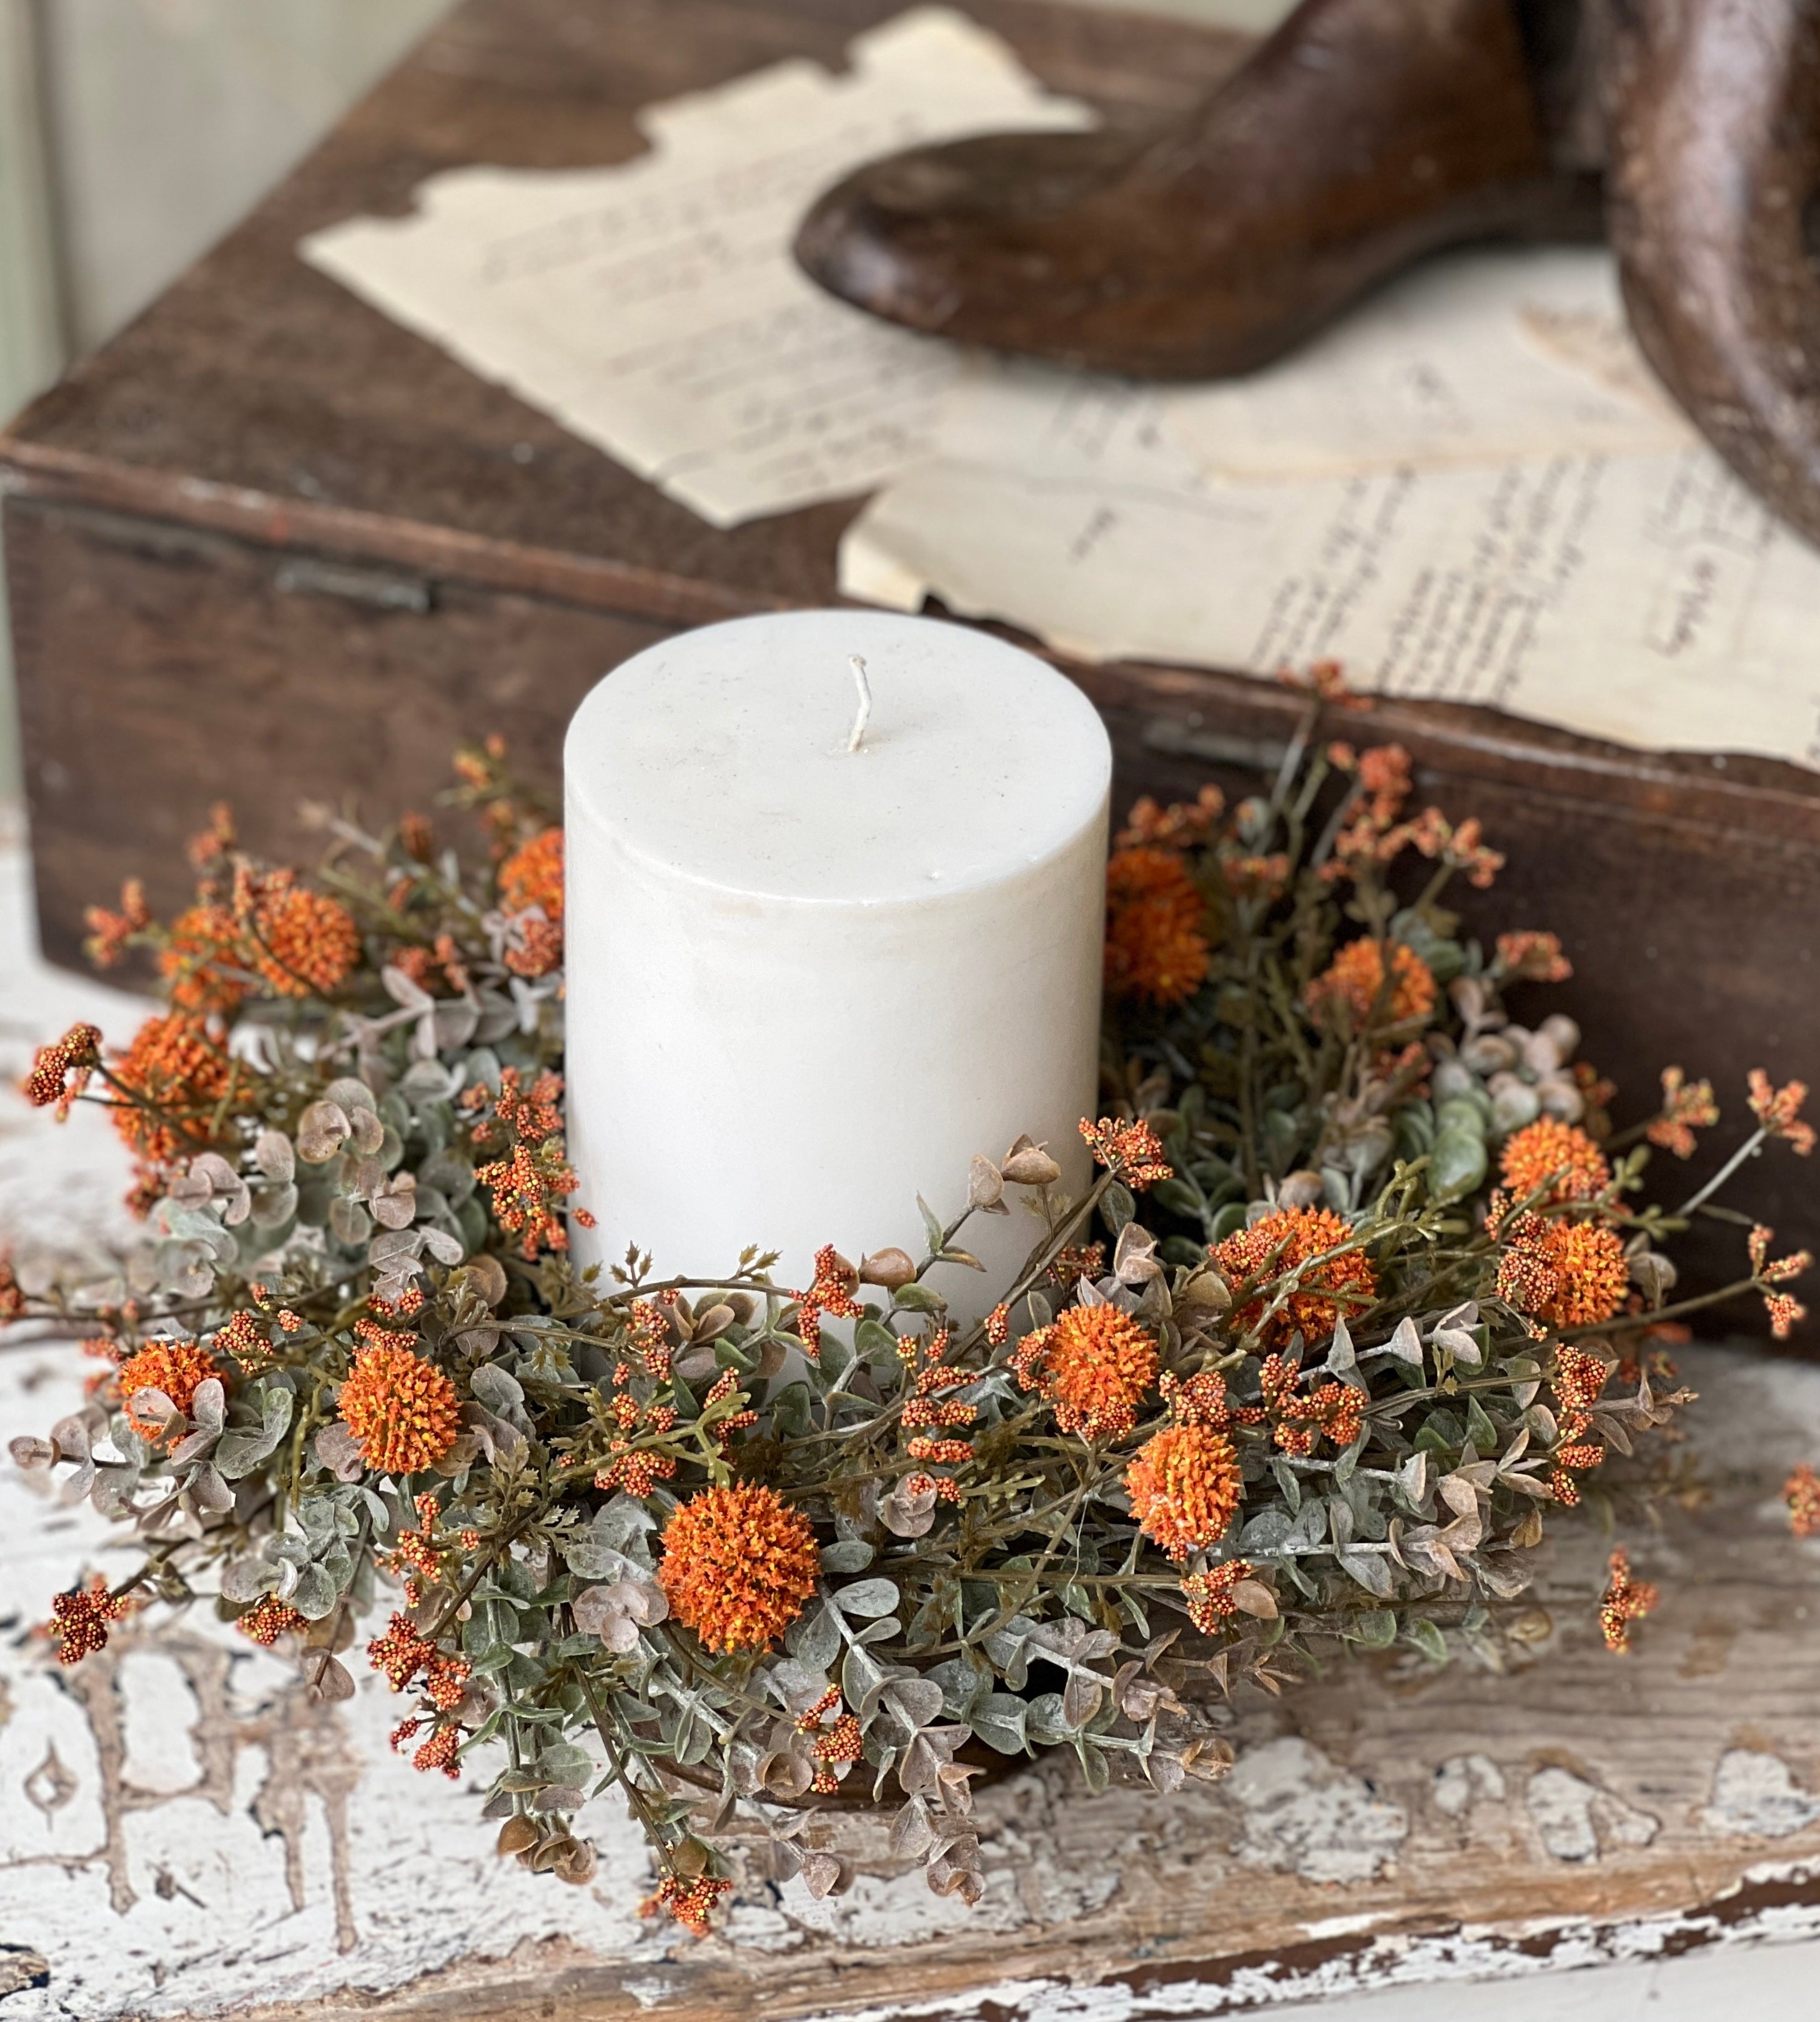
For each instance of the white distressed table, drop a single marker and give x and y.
(181, 1833)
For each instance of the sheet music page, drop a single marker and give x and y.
(652, 307)
(1645, 597)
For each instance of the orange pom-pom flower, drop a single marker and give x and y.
(1094, 1365)
(1325, 1293)
(1546, 1151)
(1185, 1486)
(178, 1368)
(532, 876)
(1355, 979)
(738, 1564)
(403, 1409)
(1156, 947)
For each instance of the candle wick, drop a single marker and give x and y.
(865, 709)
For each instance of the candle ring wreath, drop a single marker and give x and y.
(1362, 1297)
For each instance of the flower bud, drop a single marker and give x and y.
(1028, 1165)
(892, 1268)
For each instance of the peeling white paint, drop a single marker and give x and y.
(1342, 1927)
(1575, 1820)
(1755, 1794)
(1463, 1781)
(224, 1908)
(1305, 1815)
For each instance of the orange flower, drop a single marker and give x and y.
(1626, 1600)
(691, 1903)
(1094, 1365)
(532, 876)
(1296, 1421)
(79, 1621)
(1185, 1486)
(178, 1368)
(832, 1293)
(403, 1409)
(109, 933)
(77, 1053)
(1133, 1151)
(1777, 1110)
(202, 938)
(1687, 1107)
(1578, 1381)
(403, 1650)
(243, 1336)
(1569, 1273)
(1529, 956)
(1156, 946)
(1297, 1235)
(1546, 1151)
(1786, 1313)
(1355, 977)
(269, 1618)
(1210, 1605)
(1180, 826)
(174, 1065)
(1801, 1492)
(738, 1564)
(301, 940)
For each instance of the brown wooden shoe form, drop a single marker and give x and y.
(1714, 108)
(1361, 135)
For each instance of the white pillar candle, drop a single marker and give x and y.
(809, 979)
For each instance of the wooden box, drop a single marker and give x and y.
(267, 545)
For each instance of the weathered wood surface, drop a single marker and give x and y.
(180, 1833)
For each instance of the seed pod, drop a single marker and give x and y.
(515, 1835)
(892, 1268)
(1300, 1189)
(986, 1186)
(1207, 1291)
(1028, 1165)
(575, 1864)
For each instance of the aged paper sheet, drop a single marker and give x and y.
(1478, 358)
(653, 308)
(1637, 593)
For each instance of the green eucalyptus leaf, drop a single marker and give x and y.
(1229, 1221)
(999, 1720)
(875, 1341)
(867, 1598)
(1428, 1638)
(814, 1638)
(1456, 1164)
